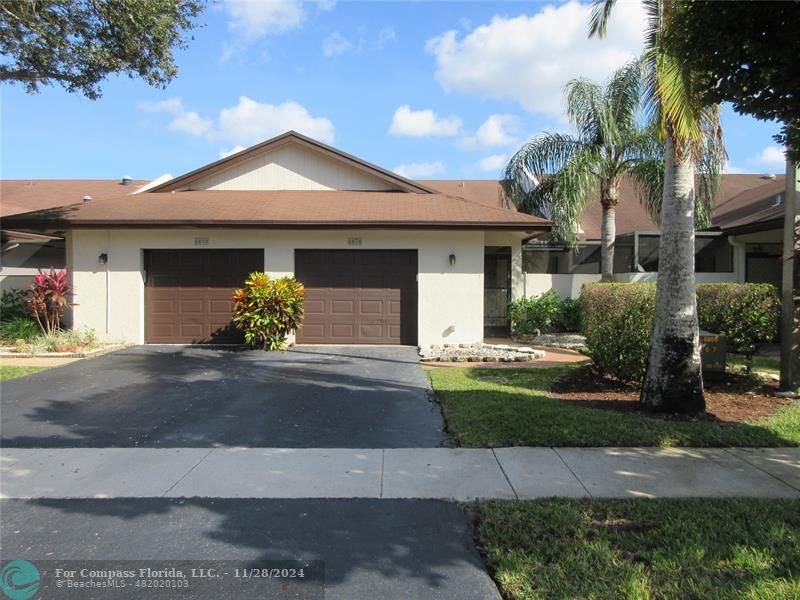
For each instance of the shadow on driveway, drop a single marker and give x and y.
(172, 396)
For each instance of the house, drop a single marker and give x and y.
(384, 259)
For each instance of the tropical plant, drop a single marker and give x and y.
(577, 170)
(19, 328)
(267, 310)
(690, 130)
(49, 299)
(535, 313)
(13, 304)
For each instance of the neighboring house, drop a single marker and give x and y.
(743, 243)
(384, 259)
(23, 254)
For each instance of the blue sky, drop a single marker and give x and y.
(430, 89)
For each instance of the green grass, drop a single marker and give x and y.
(518, 412)
(640, 549)
(763, 364)
(14, 372)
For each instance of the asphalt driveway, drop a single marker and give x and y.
(171, 396)
(387, 549)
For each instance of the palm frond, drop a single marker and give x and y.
(710, 163)
(598, 20)
(648, 179)
(583, 100)
(540, 157)
(574, 188)
(623, 94)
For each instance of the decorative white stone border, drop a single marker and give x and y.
(4, 353)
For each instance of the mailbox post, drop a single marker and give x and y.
(713, 354)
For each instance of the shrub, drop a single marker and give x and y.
(48, 300)
(569, 315)
(19, 328)
(14, 304)
(747, 313)
(267, 310)
(70, 340)
(538, 312)
(617, 319)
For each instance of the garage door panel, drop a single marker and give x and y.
(188, 292)
(358, 296)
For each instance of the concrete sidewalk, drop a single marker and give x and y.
(459, 474)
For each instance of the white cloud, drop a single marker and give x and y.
(772, 157)
(386, 35)
(223, 153)
(252, 19)
(497, 130)
(420, 123)
(530, 58)
(170, 105)
(251, 121)
(423, 169)
(325, 5)
(248, 121)
(192, 123)
(335, 44)
(493, 163)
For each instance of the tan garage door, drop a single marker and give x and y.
(188, 294)
(358, 296)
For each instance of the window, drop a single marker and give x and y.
(558, 260)
(712, 254)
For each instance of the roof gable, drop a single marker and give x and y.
(291, 162)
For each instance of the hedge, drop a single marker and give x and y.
(617, 320)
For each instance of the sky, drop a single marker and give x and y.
(427, 89)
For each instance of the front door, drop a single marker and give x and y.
(496, 290)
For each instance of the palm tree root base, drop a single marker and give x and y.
(674, 384)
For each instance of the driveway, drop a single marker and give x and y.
(387, 549)
(170, 396)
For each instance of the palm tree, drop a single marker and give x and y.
(610, 144)
(692, 143)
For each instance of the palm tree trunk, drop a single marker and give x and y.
(673, 381)
(608, 233)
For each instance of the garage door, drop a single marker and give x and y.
(188, 293)
(358, 296)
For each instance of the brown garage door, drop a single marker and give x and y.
(188, 293)
(358, 296)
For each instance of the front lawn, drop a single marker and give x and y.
(639, 549)
(511, 407)
(763, 364)
(13, 372)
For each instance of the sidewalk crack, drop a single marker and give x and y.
(578, 479)
(182, 477)
(503, 471)
(755, 466)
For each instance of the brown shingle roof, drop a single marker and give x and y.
(746, 197)
(24, 195)
(299, 209)
(753, 207)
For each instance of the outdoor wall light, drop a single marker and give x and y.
(452, 260)
(103, 258)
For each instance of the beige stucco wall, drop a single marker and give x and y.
(110, 297)
(291, 167)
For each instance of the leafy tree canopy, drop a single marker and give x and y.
(746, 53)
(77, 43)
